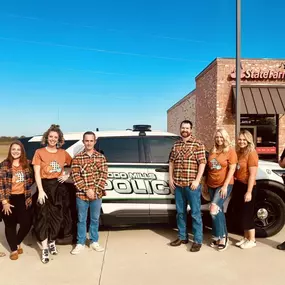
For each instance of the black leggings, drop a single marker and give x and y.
(244, 210)
(20, 215)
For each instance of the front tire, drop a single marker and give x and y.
(269, 213)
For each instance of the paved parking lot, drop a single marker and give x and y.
(142, 256)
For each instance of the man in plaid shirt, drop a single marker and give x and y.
(186, 166)
(89, 172)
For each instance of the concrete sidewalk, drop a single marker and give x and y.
(142, 256)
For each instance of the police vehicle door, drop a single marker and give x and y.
(157, 151)
(127, 189)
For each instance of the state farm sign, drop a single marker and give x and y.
(251, 74)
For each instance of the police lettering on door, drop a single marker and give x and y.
(135, 182)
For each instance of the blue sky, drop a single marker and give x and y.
(111, 64)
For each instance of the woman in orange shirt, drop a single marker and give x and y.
(244, 191)
(16, 179)
(221, 167)
(50, 176)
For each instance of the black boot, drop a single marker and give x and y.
(281, 246)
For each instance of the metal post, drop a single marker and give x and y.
(238, 64)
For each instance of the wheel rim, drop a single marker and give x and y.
(262, 214)
(266, 214)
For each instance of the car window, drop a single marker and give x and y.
(30, 147)
(119, 149)
(159, 148)
(68, 143)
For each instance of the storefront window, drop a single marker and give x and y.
(264, 131)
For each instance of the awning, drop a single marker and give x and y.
(261, 100)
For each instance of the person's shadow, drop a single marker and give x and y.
(170, 232)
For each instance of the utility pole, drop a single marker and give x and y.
(238, 65)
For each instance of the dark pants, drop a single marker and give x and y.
(54, 215)
(20, 215)
(244, 211)
(67, 204)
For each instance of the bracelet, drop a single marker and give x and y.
(4, 202)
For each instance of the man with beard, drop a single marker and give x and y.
(186, 166)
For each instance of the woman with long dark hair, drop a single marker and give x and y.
(16, 179)
(244, 191)
(50, 176)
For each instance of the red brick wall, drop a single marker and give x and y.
(183, 110)
(225, 112)
(206, 105)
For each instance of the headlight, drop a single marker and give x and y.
(279, 172)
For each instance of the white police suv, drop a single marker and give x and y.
(137, 187)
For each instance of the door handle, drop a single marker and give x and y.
(162, 169)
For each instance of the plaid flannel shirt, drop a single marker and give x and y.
(89, 172)
(186, 157)
(6, 176)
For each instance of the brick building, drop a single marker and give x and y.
(211, 104)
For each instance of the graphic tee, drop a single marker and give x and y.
(244, 162)
(52, 164)
(18, 180)
(218, 167)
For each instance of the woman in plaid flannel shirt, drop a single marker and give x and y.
(16, 179)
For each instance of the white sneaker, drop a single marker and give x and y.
(96, 246)
(242, 241)
(248, 244)
(78, 249)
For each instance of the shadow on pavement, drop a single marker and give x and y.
(269, 242)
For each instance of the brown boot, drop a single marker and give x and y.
(14, 255)
(20, 250)
(178, 242)
(195, 247)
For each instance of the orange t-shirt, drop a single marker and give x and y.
(51, 164)
(244, 162)
(218, 165)
(18, 180)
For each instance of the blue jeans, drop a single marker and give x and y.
(184, 195)
(219, 226)
(82, 210)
